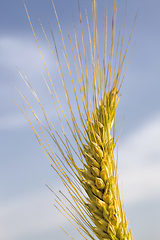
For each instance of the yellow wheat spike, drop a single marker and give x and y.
(94, 207)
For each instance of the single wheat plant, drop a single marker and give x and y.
(86, 165)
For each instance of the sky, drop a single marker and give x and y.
(26, 205)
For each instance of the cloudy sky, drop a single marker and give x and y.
(26, 205)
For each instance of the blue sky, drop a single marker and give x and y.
(26, 206)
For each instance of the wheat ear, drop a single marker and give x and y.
(95, 207)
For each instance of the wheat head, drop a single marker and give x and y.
(95, 208)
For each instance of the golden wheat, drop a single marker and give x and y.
(97, 210)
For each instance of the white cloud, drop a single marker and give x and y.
(31, 214)
(139, 163)
(23, 53)
(16, 120)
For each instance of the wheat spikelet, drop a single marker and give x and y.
(96, 211)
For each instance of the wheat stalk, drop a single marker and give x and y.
(95, 208)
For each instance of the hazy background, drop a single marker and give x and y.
(26, 206)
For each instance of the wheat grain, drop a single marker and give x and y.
(98, 211)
